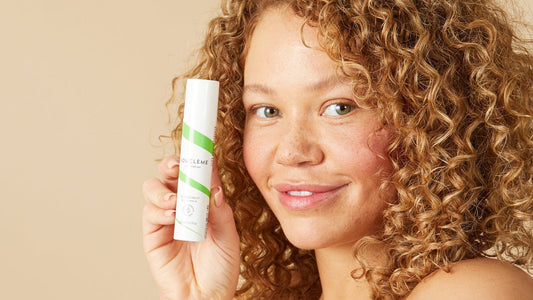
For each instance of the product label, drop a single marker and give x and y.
(193, 192)
(194, 162)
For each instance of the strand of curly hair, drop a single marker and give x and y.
(453, 81)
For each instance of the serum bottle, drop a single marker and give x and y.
(196, 159)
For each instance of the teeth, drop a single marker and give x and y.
(300, 193)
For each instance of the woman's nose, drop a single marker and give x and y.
(299, 145)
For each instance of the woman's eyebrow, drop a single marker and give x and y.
(325, 83)
(258, 88)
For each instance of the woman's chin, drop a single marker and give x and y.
(305, 245)
(315, 235)
(311, 240)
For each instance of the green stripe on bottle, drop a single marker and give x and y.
(197, 138)
(194, 184)
(187, 227)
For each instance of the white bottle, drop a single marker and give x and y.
(196, 159)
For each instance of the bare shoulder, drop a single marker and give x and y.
(479, 278)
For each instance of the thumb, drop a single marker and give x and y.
(221, 224)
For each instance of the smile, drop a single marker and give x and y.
(299, 197)
(300, 193)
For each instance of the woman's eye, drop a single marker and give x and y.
(338, 109)
(267, 112)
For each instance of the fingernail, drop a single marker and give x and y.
(219, 198)
(173, 163)
(169, 213)
(168, 196)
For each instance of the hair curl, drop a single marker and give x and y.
(454, 83)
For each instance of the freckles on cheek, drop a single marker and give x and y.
(365, 152)
(252, 152)
(380, 140)
(257, 156)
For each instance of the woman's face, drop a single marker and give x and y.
(306, 145)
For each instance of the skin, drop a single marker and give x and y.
(308, 144)
(185, 270)
(479, 278)
(303, 132)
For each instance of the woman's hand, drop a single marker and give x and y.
(189, 270)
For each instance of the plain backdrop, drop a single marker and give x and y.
(82, 90)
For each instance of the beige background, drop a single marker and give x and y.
(82, 91)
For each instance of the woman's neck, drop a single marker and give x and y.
(335, 266)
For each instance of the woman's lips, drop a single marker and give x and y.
(305, 196)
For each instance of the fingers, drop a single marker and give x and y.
(157, 227)
(221, 225)
(159, 194)
(159, 209)
(158, 216)
(169, 171)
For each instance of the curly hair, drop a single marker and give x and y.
(453, 82)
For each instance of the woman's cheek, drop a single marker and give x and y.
(253, 155)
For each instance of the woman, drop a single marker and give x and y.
(366, 149)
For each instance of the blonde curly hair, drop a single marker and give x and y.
(452, 81)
